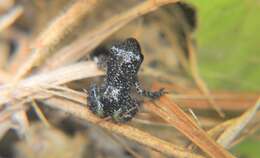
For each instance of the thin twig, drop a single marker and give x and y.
(238, 125)
(54, 34)
(170, 112)
(93, 38)
(130, 132)
(63, 75)
(200, 83)
(10, 17)
(40, 114)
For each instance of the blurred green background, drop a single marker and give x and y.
(228, 39)
(228, 43)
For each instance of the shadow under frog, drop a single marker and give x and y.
(113, 98)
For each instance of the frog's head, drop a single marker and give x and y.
(128, 55)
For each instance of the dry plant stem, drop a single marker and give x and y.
(4, 127)
(192, 98)
(124, 145)
(195, 74)
(171, 113)
(216, 131)
(243, 137)
(40, 114)
(54, 34)
(228, 136)
(242, 101)
(93, 38)
(10, 17)
(20, 118)
(4, 76)
(172, 38)
(6, 4)
(195, 117)
(132, 133)
(21, 53)
(4, 49)
(63, 75)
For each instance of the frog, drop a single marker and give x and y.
(113, 97)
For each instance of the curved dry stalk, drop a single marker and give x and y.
(170, 112)
(4, 49)
(63, 75)
(92, 39)
(4, 76)
(130, 132)
(6, 4)
(218, 129)
(10, 17)
(245, 135)
(74, 107)
(197, 78)
(54, 34)
(70, 101)
(4, 127)
(40, 114)
(21, 53)
(231, 132)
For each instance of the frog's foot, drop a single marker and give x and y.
(149, 94)
(94, 101)
(122, 116)
(152, 94)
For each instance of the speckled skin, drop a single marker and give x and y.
(113, 97)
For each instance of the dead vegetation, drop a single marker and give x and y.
(44, 69)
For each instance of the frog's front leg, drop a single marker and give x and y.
(94, 101)
(150, 94)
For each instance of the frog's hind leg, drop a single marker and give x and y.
(94, 101)
(127, 112)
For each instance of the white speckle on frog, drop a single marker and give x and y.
(128, 56)
(112, 92)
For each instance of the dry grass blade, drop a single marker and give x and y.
(130, 132)
(20, 118)
(217, 130)
(60, 76)
(124, 145)
(6, 4)
(93, 38)
(225, 101)
(171, 113)
(228, 136)
(244, 136)
(21, 53)
(54, 34)
(4, 127)
(200, 83)
(4, 76)
(10, 17)
(173, 39)
(40, 114)
(4, 49)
